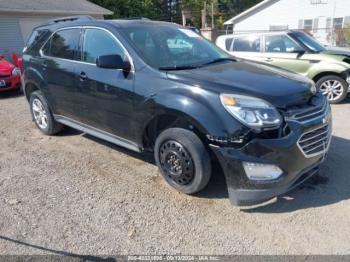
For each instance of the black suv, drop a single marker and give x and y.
(157, 86)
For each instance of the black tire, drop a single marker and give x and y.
(331, 79)
(52, 126)
(193, 158)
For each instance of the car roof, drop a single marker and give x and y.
(258, 33)
(118, 23)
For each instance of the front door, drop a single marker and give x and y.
(106, 95)
(282, 51)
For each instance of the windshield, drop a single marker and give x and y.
(170, 47)
(308, 41)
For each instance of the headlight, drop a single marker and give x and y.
(251, 111)
(16, 72)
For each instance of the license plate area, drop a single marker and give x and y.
(2, 83)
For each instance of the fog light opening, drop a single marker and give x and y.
(261, 172)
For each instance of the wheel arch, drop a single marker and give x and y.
(29, 88)
(326, 73)
(167, 120)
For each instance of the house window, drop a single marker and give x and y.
(308, 24)
(347, 22)
(318, 2)
(338, 23)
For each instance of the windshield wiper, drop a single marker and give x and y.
(219, 60)
(177, 67)
(184, 67)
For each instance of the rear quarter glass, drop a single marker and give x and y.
(36, 41)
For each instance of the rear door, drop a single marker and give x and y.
(282, 51)
(247, 47)
(59, 58)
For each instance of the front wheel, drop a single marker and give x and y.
(333, 87)
(183, 160)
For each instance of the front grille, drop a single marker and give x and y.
(304, 113)
(315, 142)
(313, 113)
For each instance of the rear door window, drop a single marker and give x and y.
(63, 44)
(247, 44)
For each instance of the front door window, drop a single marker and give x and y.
(280, 44)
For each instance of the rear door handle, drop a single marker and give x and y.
(83, 76)
(269, 59)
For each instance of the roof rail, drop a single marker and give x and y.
(135, 18)
(71, 19)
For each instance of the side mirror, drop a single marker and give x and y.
(299, 52)
(112, 62)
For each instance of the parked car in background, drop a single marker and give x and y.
(297, 52)
(159, 87)
(10, 76)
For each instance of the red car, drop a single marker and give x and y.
(10, 76)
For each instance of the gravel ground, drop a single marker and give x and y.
(74, 193)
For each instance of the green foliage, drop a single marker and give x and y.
(170, 10)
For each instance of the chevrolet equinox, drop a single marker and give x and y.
(156, 86)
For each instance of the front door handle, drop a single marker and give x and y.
(269, 59)
(44, 65)
(82, 76)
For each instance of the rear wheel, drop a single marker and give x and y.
(42, 115)
(333, 87)
(183, 160)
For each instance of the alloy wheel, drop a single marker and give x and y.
(39, 113)
(332, 89)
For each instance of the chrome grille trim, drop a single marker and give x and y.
(315, 142)
(304, 117)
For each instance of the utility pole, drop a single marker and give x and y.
(212, 15)
(204, 15)
(332, 23)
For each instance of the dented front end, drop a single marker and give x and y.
(273, 162)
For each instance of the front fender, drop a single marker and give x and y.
(200, 107)
(336, 68)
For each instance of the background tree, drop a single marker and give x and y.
(170, 10)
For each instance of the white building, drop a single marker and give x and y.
(19, 17)
(319, 17)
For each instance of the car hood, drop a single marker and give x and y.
(6, 67)
(279, 87)
(338, 51)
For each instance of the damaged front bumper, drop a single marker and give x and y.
(297, 154)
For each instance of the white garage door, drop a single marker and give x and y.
(11, 39)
